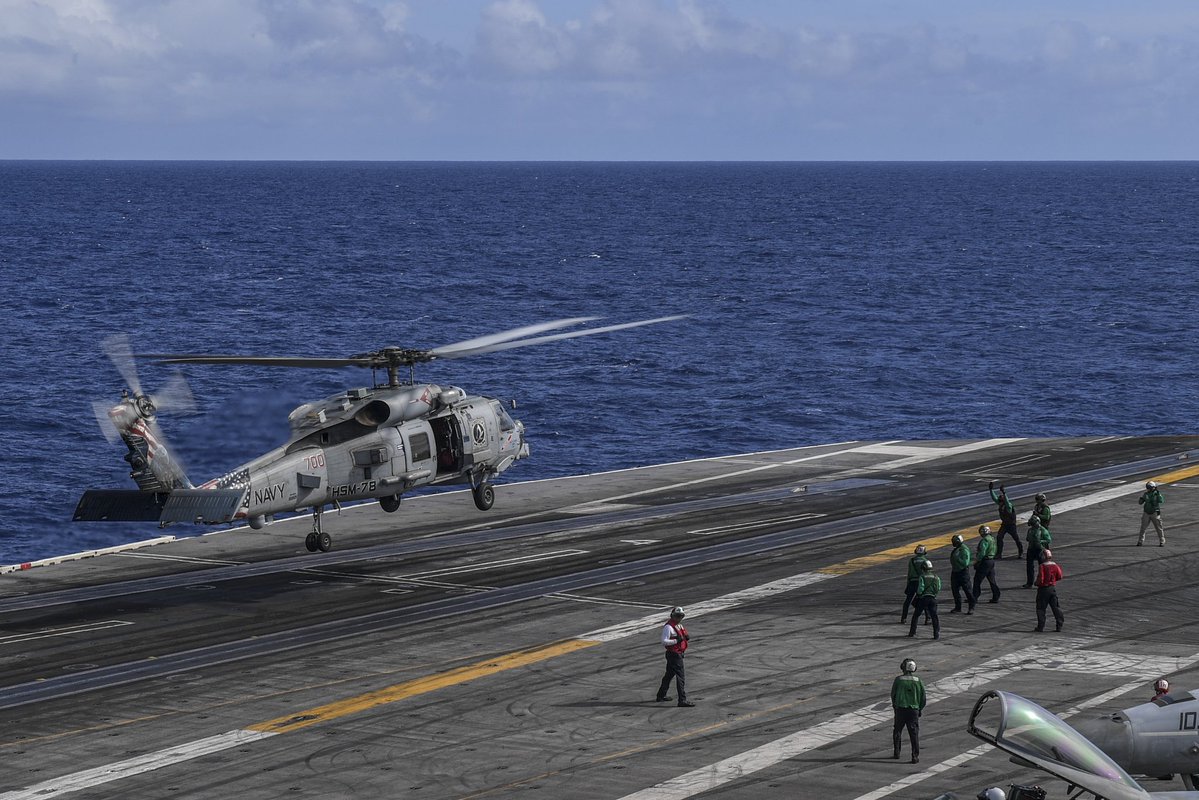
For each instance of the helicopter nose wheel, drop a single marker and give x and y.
(484, 495)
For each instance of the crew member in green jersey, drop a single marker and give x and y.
(1151, 513)
(1037, 539)
(926, 599)
(959, 575)
(1007, 521)
(907, 701)
(984, 564)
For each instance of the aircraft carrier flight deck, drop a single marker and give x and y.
(445, 652)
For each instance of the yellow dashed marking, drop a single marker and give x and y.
(429, 683)
(883, 556)
(1178, 475)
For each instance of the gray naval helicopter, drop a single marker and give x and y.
(366, 443)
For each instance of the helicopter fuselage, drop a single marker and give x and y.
(377, 444)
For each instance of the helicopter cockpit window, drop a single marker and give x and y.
(506, 422)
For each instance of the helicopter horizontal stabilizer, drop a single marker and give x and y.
(210, 506)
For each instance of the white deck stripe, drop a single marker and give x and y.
(135, 766)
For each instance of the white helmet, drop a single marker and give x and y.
(983, 530)
(994, 793)
(677, 612)
(927, 566)
(1151, 485)
(908, 665)
(1161, 685)
(920, 550)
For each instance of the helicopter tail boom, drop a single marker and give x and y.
(206, 506)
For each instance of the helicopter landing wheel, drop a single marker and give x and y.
(310, 542)
(390, 503)
(324, 542)
(484, 495)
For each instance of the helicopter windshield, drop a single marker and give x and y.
(506, 422)
(1024, 729)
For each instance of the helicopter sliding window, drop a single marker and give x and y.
(418, 444)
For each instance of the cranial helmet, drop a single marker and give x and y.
(994, 793)
(920, 550)
(677, 612)
(1034, 521)
(1040, 498)
(983, 530)
(1161, 685)
(1151, 485)
(956, 540)
(927, 566)
(908, 665)
(1046, 554)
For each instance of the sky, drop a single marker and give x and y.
(658, 80)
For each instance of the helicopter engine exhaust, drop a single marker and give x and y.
(403, 406)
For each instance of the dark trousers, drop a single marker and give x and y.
(674, 669)
(1031, 562)
(1008, 528)
(1047, 598)
(926, 606)
(959, 583)
(907, 718)
(909, 594)
(985, 569)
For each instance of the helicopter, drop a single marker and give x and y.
(371, 443)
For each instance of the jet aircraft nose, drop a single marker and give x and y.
(1112, 734)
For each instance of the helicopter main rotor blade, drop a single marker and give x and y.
(256, 361)
(120, 353)
(555, 337)
(506, 336)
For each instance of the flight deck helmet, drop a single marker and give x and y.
(1161, 686)
(920, 550)
(1040, 498)
(926, 565)
(983, 530)
(957, 540)
(1034, 521)
(677, 612)
(1151, 485)
(1046, 554)
(908, 666)
(994, 793)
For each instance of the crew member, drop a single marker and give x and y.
(1161, 688)
(1037, 539)
(959, 575)
(1007, 521)
(1151, 512)
(907, 701)
(674, 639)
(1047, 577)
(984, 566)
(909, 590)
(1042, 510)
(926, 599)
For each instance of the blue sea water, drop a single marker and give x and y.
(827, 302)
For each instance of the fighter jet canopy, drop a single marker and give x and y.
(1023, 729)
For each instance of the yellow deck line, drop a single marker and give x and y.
(1177, 475)
(429, 683)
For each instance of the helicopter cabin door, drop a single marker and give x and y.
(371, 459)
(420, 443)
(447, 443)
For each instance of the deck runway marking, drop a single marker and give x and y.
(486, 565)
(69, 630)
(745, 526)
(983, 749)
(418, 686)
(1051, 656)
(89, 778)
(185, 559)
(722, 603)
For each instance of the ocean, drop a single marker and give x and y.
(826, 302)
